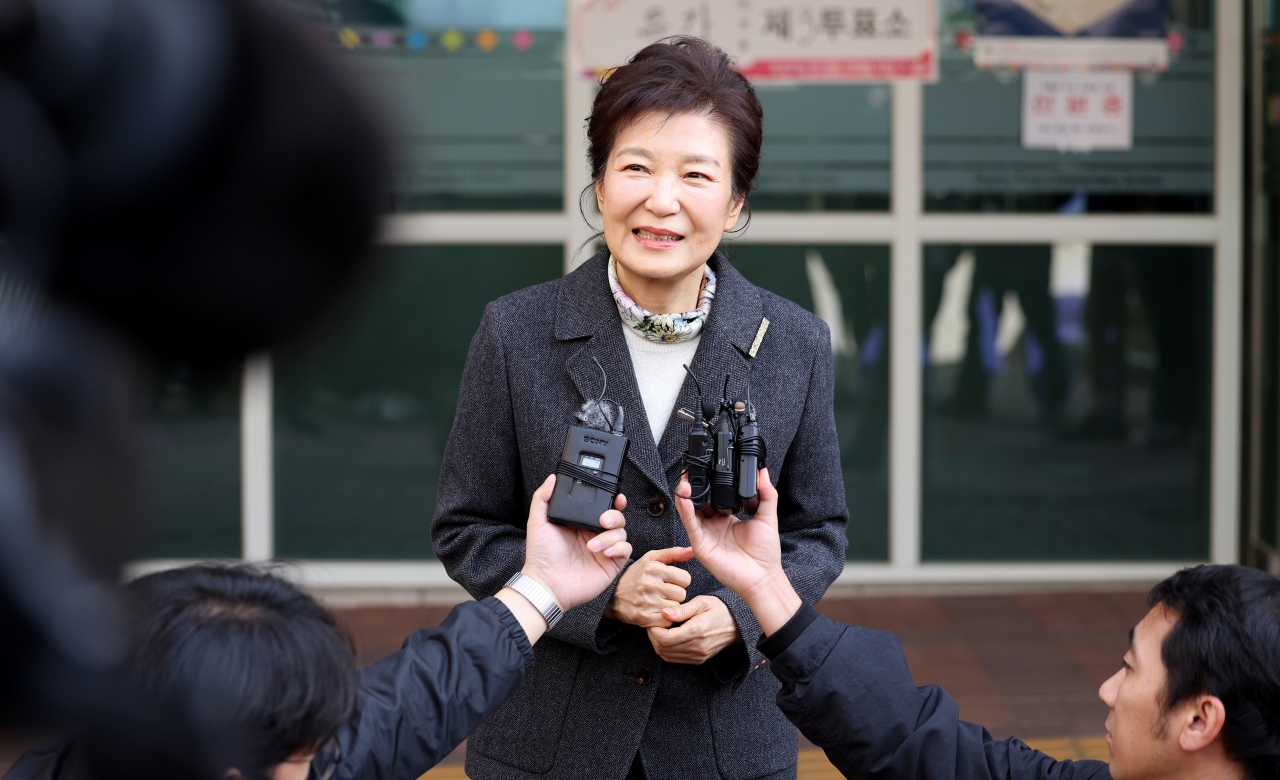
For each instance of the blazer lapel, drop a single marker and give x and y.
(586, 309)
(724, 348)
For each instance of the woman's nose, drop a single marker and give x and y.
(663, 200)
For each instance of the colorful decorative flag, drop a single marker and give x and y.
(487, 40)
(452, 40)
(522, 40)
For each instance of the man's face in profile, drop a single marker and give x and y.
(295, 767)
(1141, 745)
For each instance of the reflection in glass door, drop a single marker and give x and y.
(848, 288)
(1066, 403)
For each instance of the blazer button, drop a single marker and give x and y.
(643, 675)
(656, 507)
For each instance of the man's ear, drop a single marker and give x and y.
(1202, 720)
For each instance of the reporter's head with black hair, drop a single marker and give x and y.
(280, 663)
(255, 659)
(1199, 690)
(1197, 694)
(260, 668)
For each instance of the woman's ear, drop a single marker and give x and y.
(735, 208)
(600, 194)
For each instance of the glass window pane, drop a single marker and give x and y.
(1067, 403)
(1267, 427)
(826, 147)
(848, 287)
(363, 413)
(192, 460)
(475, 89)
(974, 160)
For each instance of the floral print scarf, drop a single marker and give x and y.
(664, 328)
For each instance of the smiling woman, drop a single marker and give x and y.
(659, 677)
(671, 168)
(667, 198)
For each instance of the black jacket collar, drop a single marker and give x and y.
(586, 309)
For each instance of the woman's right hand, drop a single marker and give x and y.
(649, 586)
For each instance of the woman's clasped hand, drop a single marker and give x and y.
(706, 627)
(651, 594)
(649, 586)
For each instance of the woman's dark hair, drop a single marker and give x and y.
(681, 75)
(1227, 643)
(280, 665)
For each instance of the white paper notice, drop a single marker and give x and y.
(1077, 111)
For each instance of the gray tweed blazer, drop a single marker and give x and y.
(597, 692)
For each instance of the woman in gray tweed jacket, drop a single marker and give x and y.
(659, 677)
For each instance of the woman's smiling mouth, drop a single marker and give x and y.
(653, 238)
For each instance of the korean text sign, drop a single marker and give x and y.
(1077, 111)
(772, 40)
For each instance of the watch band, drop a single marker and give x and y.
(538, 596)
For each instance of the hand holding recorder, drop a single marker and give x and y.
(573, 564)
(725, 451)
(745, 555)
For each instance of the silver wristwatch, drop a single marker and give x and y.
(538, 596)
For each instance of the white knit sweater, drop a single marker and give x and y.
(659, 374)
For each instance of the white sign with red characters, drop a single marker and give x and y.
(772, 40)
(1078, 111)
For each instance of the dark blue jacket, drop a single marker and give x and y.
(416, 705)
(419, 704)
(849, 691)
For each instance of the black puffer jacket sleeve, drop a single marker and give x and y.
(422, 702)
(416, 705)
(849, 691)
(57, 760)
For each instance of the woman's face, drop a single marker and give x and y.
(667, 195)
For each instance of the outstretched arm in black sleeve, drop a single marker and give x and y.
(848, 689)
(420, 703)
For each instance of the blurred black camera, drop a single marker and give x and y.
(193, 179)
(725, 452)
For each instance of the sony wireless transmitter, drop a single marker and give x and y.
(590, 465)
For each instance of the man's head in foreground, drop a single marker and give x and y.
(1199, 691)
(259, 651)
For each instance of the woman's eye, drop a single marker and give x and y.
(636, 168)
(697, 175)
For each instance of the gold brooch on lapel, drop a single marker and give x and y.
(755, 345)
